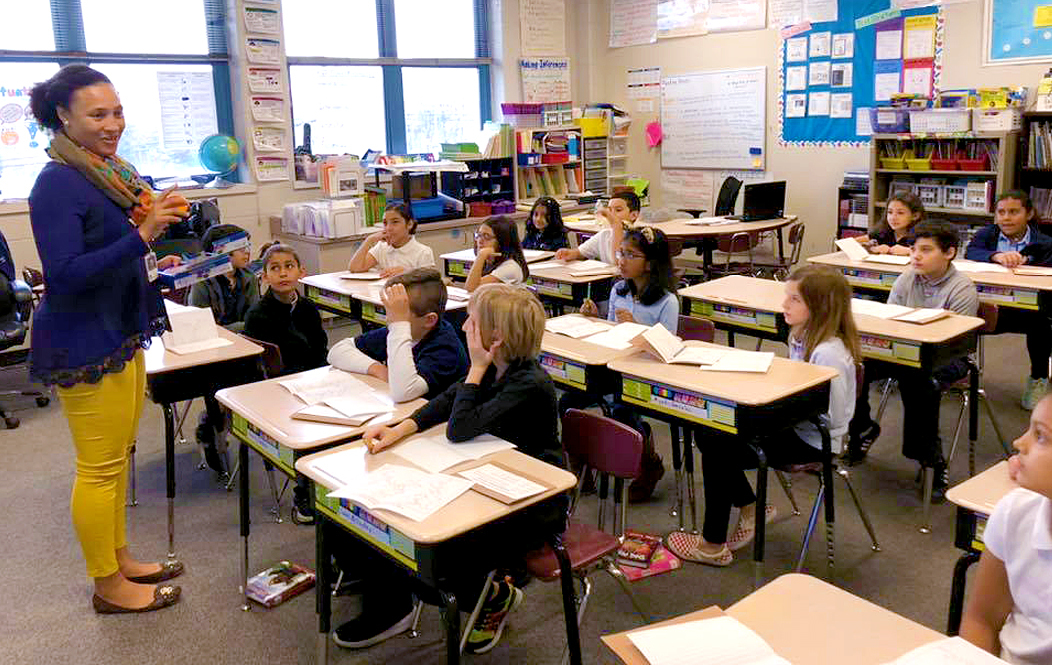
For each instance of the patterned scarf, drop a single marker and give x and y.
(115, 177)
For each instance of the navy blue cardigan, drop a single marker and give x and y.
(99, 306)
(984, 245)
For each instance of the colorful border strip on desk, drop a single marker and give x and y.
(374, 313)
(328, 298)
(738, 316)
(980, 530)
(718, 414)
(551, 288)
(873, 279)
(367, 525)
(1008, 296)
(266, 446)
(564, 371)
(891, 350)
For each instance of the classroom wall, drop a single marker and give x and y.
(812, 174)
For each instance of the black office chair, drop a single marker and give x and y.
(16, 307)
(728, 196)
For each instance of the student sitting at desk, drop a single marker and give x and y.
(822, 331)
(418, 354)
(931, 281)
(229, 295)
(283, 318)
(1012, 241)
(498, 255)
(904, 211)
(508, 394)
(1010, 612)
(544, 226)
(395, 249)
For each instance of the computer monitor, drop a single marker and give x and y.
(763, 200)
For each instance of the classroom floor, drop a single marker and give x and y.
(48, 618)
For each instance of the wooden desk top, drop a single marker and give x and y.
(160, 360)
(366, 290)
(270, 406)
(784, 378)
(468, 255)
(840, 260)
(981, 493)
(467, 511)
(563, 275)
(679, 228)
(581, 351)
(808, 622)
(767, 295)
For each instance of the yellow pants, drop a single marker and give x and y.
(103, 418)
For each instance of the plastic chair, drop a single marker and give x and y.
(615, 451)
(988, 312)
(780, 266)
(817, 469)
(736, 254)
(702, 330)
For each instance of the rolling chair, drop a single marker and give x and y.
(16, 307)
(728, 196)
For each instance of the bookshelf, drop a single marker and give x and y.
(548, 162)
(487, 181)
(1035, 166)
(851, 211)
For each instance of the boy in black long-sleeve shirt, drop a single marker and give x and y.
(507, 394)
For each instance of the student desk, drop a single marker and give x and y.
(975, 499)
(558, 288)
(809, 622)
(262, 421)
(750, 406)
(172, 378)
(458, 264)
(575, 364)
(1001, 289)
(754, 306)
(453, 537)
(355, 298)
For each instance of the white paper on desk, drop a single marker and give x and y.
(891, 259)
(589, 267)
(742, 361)
(705, 221)
(881, 310)
(979, 266)
(949, 651)
(437, 453)
(404, 490)
(457, 294)
(1031, 271)
(344, 467)
(854, 250)
(334, 383)
(511, 485)
(718, 641)
(534, 254)
(371, 275)
(548, 265)
(362, 406)
(619, 337)
(698, 355)
(193, 329)
(575, 326)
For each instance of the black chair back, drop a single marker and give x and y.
(728, 196)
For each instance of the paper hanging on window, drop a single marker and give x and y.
(632, 22)
(263, 51)
(545, 80)
(188, 108)
(264, 79)
(265, 21)
(268, 109)
(269, 139)
(542, 27)
(270, 169)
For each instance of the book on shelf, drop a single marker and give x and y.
(663, 561)
(278, 583)
(637, 548)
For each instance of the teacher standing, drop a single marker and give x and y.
(92, 217)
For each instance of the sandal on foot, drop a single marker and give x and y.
(744, 533)
(687, 547)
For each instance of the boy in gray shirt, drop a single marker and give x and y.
(930, 281)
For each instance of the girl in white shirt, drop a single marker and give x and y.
(498, 255)
(394, 250)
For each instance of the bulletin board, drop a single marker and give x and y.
(1017, 31)
(714, 120)
(842, 77)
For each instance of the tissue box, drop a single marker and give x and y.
(197, 269)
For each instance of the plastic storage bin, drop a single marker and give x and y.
(980, 164)
(940, 121)
(889, 120)
(918, 163)
(996, 120)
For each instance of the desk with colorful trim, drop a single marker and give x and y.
(754, 306)
(750, 406)
(558, 289)
(454, 537)
(457, 265)
(975, 499)
(1001, 289)
(172, 378)
(262, 421)
(354, 298)
(576, 364)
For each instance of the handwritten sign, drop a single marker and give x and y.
(545, 80)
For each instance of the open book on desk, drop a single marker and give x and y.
(1033, 271)
(575, 325)
(883, 310)
(333, 384)
(856, 252)
(952, 650)
(404, 490)
(353, 410)
(436, 453)
(718, 641)
(671, 349)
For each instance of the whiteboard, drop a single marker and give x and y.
(714, 120)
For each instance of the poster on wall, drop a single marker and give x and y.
(633, 22)
(736, 15)
(545, 80)
(542, 27)
(681, 18)
(1017, 31)
(188, 108)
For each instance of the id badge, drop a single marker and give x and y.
(150, 263)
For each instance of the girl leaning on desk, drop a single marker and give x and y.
(93, 217)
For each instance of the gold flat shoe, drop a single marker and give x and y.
(163, 596)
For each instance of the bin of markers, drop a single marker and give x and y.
(977, 164)
(944, 163)
(918, 163)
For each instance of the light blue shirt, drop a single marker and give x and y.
(1006, 244)
(664, 311)
(830, 353)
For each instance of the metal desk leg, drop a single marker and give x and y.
(242, 461)
(677, 470)
(169, 468)
(688, 466)
(761, 526)
(928, 478)
(827, 481)
(451, 618)
(132, 501)
(973, 416)
(322, 597)
(573, 636)
(960, 569)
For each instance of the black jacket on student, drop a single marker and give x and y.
(886, 236)
(440, 357)
(295, 329)
(984, 245)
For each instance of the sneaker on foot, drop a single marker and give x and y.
(1034, 391)
(302, 515)
(687, 546)
(489, 625)
(371, 628)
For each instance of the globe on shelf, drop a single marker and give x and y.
(219, 154)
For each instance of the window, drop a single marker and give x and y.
(398, 75)
(140, 62)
